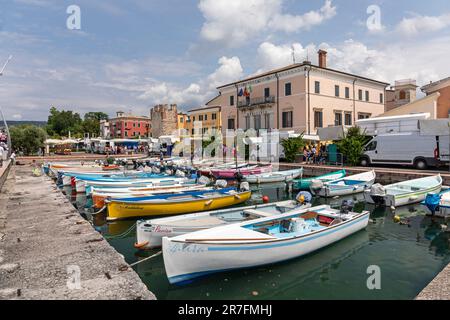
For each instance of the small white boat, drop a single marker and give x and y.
(149, 233)
(403, 193)
(345, 186)
(273, 177)
(259, 242)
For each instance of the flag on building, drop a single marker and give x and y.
(241, 93)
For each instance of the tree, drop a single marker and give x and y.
(352, 145)
(292, 147)
(62, 122)
(28, 138)
(91, 123)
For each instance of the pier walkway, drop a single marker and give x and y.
(46, 246)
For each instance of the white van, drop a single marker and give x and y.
(413, 149)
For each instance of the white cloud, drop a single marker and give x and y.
(17, 116)
(424, 61)
(236, 21)
(421, 24)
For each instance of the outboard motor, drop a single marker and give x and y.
(377, 193)
(180, 174)
(347, 206)
(432, 201)
(156, 170)
(204, 180)
(221, 184)
(304, 197)
(239, 177)
(316, 185)
(244, 186)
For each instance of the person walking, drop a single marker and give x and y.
(2, 151)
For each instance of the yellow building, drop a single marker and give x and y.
(209, 118)
(183, 120)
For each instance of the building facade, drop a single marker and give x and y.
(127, 126)
(104, 129)
(209, 117)
(402, 93)
(164, 120)
(301, 97)
(443, 102)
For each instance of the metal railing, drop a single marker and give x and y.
(256, 101)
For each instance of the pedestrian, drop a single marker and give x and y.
(314, 154)
(305, 154)
(13, 158)
(2, 151)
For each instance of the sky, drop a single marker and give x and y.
(131, 55)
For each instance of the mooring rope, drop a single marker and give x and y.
(99, 211)
(122, 235)
(148, 258)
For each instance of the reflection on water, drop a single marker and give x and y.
(409, 256)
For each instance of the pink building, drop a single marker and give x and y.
(300, 97)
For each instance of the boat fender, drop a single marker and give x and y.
(397, 219)
(221, 183)
(266, 199)
(244, 186)
(141, 245)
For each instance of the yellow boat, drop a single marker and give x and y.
(175, 204)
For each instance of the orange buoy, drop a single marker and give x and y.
(141, 245)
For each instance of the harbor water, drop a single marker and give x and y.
(409, 255)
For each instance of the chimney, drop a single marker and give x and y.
(322, 58)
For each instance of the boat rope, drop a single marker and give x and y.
(99, 211)
(148, 258)
(122, 235)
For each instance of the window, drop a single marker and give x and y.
(193, 132)
(317, 87)
(181, 120)
(336, 91)
(267, 120)
(362, 116)
(381, 98)
(288, 89)
(214, 116)
(347, 92)
(231, 100)
(287, 119)
(318, 119)
(371, 146)
(126, 133)
(348, 119)
(205, 130)
(360, 94)
(193, 119)
(266, 92)
(247, 122)
(206, 117)
(367, 96)
(231, 124)
(139, 124)
(257, 122)
(402, 95)
(200, 118)
(338, 119)
(134, 124)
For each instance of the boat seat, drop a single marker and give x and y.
(254, 212)
(309, 215)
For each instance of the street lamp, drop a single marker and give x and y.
(1, 112)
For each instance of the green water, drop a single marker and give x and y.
(409, 258)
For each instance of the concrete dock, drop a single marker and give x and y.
(439, 288)
(48, 251)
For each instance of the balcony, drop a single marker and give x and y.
(252, 102)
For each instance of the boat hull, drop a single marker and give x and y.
(398, 200)
(337, 191)
(149, 233)
(305, 184)
(186, 261)
(124, 210)
(281, 176)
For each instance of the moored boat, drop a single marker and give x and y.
(403, 193)
(438, 203)
(188, 202)
(244, 171)
(149, 233)
(345, 186)
(273, 177)
(305, 183)
(259, 242)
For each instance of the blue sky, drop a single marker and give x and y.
(133, 54)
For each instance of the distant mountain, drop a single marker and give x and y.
(13, 123)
